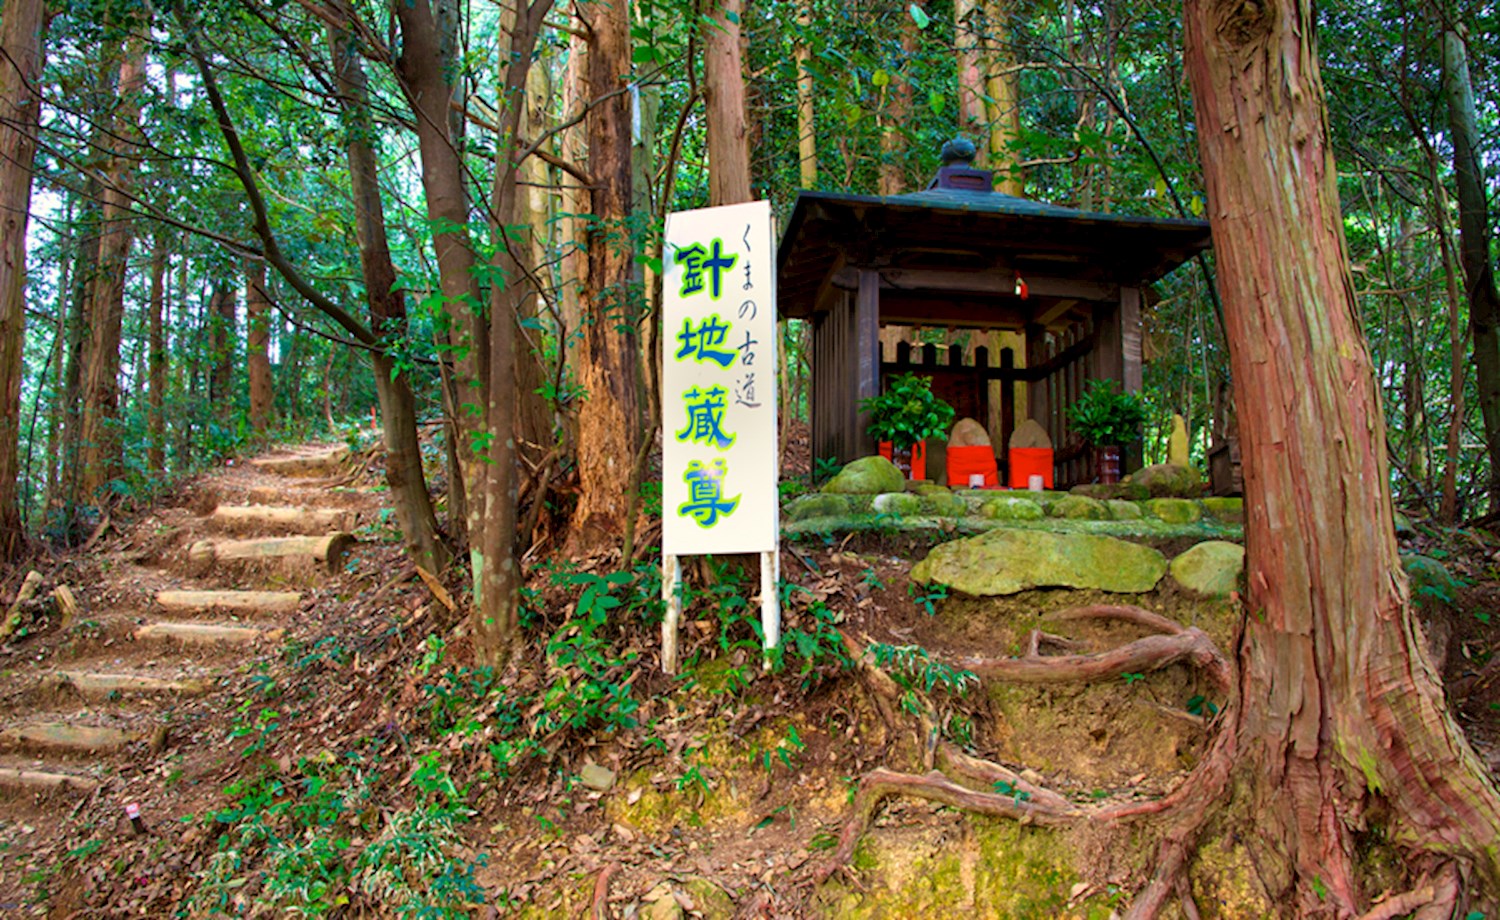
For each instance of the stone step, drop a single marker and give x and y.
(95, 685)
(284, 517)
(26, 780)
(323, 462)
(75, 739)
(206, 633)
(247, 603)
(326, 552)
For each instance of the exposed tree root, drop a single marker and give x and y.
(1031, 803)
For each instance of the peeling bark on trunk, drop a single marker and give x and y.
(20, 67)
(257, 342)
(1341, 719)
(398, 408)
(609, 420)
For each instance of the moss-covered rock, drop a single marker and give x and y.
(1012, 508)
(902, 503)
(944, 504)
(1228, 510)
(867, 476)
(1403, 525)
(926, 489)
(1175, 510)
(816, 505)
(1009, 561)
(1123, 491)
(1430, 580)
(1124, 510)
(1211, 568)
(1080, 508)
(1167, 481)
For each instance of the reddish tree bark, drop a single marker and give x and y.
(156, 359)
(1341, 721)
(609, 421)
(20, 67)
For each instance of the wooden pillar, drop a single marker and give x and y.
(1107, 362)
(1130, 339)
(1036, 387)
(816, 394)
(866, 363)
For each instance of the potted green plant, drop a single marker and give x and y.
(1107, 420)
(906, 414)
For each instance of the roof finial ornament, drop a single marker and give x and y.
(958, 150)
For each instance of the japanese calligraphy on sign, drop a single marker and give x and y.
(718, 382)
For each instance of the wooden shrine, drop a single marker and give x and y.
(960, 255)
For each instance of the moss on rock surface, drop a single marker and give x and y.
(1226, 509)
(1167, 481)
(995, 869)
(817, 505)
(1175, 510)
(944, 504)
(1008, 561)
(1125, 511)
(1080, 507)
(867, 476)
(1211, 568)
(1012, 508)
(902, 503)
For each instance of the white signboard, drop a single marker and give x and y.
(719, 434)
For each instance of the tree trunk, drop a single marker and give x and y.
(609, 420)
(99, 436)
(807, 132)
(65, 495)
(20, 68)
(1341, 720)
(894, 131)
(156, 359)
(988, 105)
(398, 410)
(221, 339)
(724, 93)
(257, 346)
(1474, 247)
(1458, 365)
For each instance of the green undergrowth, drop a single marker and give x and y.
(385, 821)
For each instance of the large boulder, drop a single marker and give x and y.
(867, 476)
(1123, 491)
(1124, 511)
(1165, 480)
(1010, 561)
(1212, 568)
(944, 504)
(1228, 510)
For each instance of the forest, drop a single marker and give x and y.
(428, 236)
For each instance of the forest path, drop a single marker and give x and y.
(177, 620)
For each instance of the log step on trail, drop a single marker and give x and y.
(94, 685)
(327, 551)
(307, 463)
(24, 780)
(245, 603)
(296, 520)
(60, 736)
(206, 633)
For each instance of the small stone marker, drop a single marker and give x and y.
(1177, 444)
(969, 433)
(1030, 435)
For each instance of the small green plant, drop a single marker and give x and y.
(825, 468)
(928, 596)
(1132, 677)
(907, 412)
(1103, 416)
(912, 667)
(1200, 705)
(1003, 787)
(871, 579)
(785, 751)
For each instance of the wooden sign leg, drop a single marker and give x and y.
(770, 603)
(671, 595)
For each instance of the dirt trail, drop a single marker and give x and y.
(104, 707)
